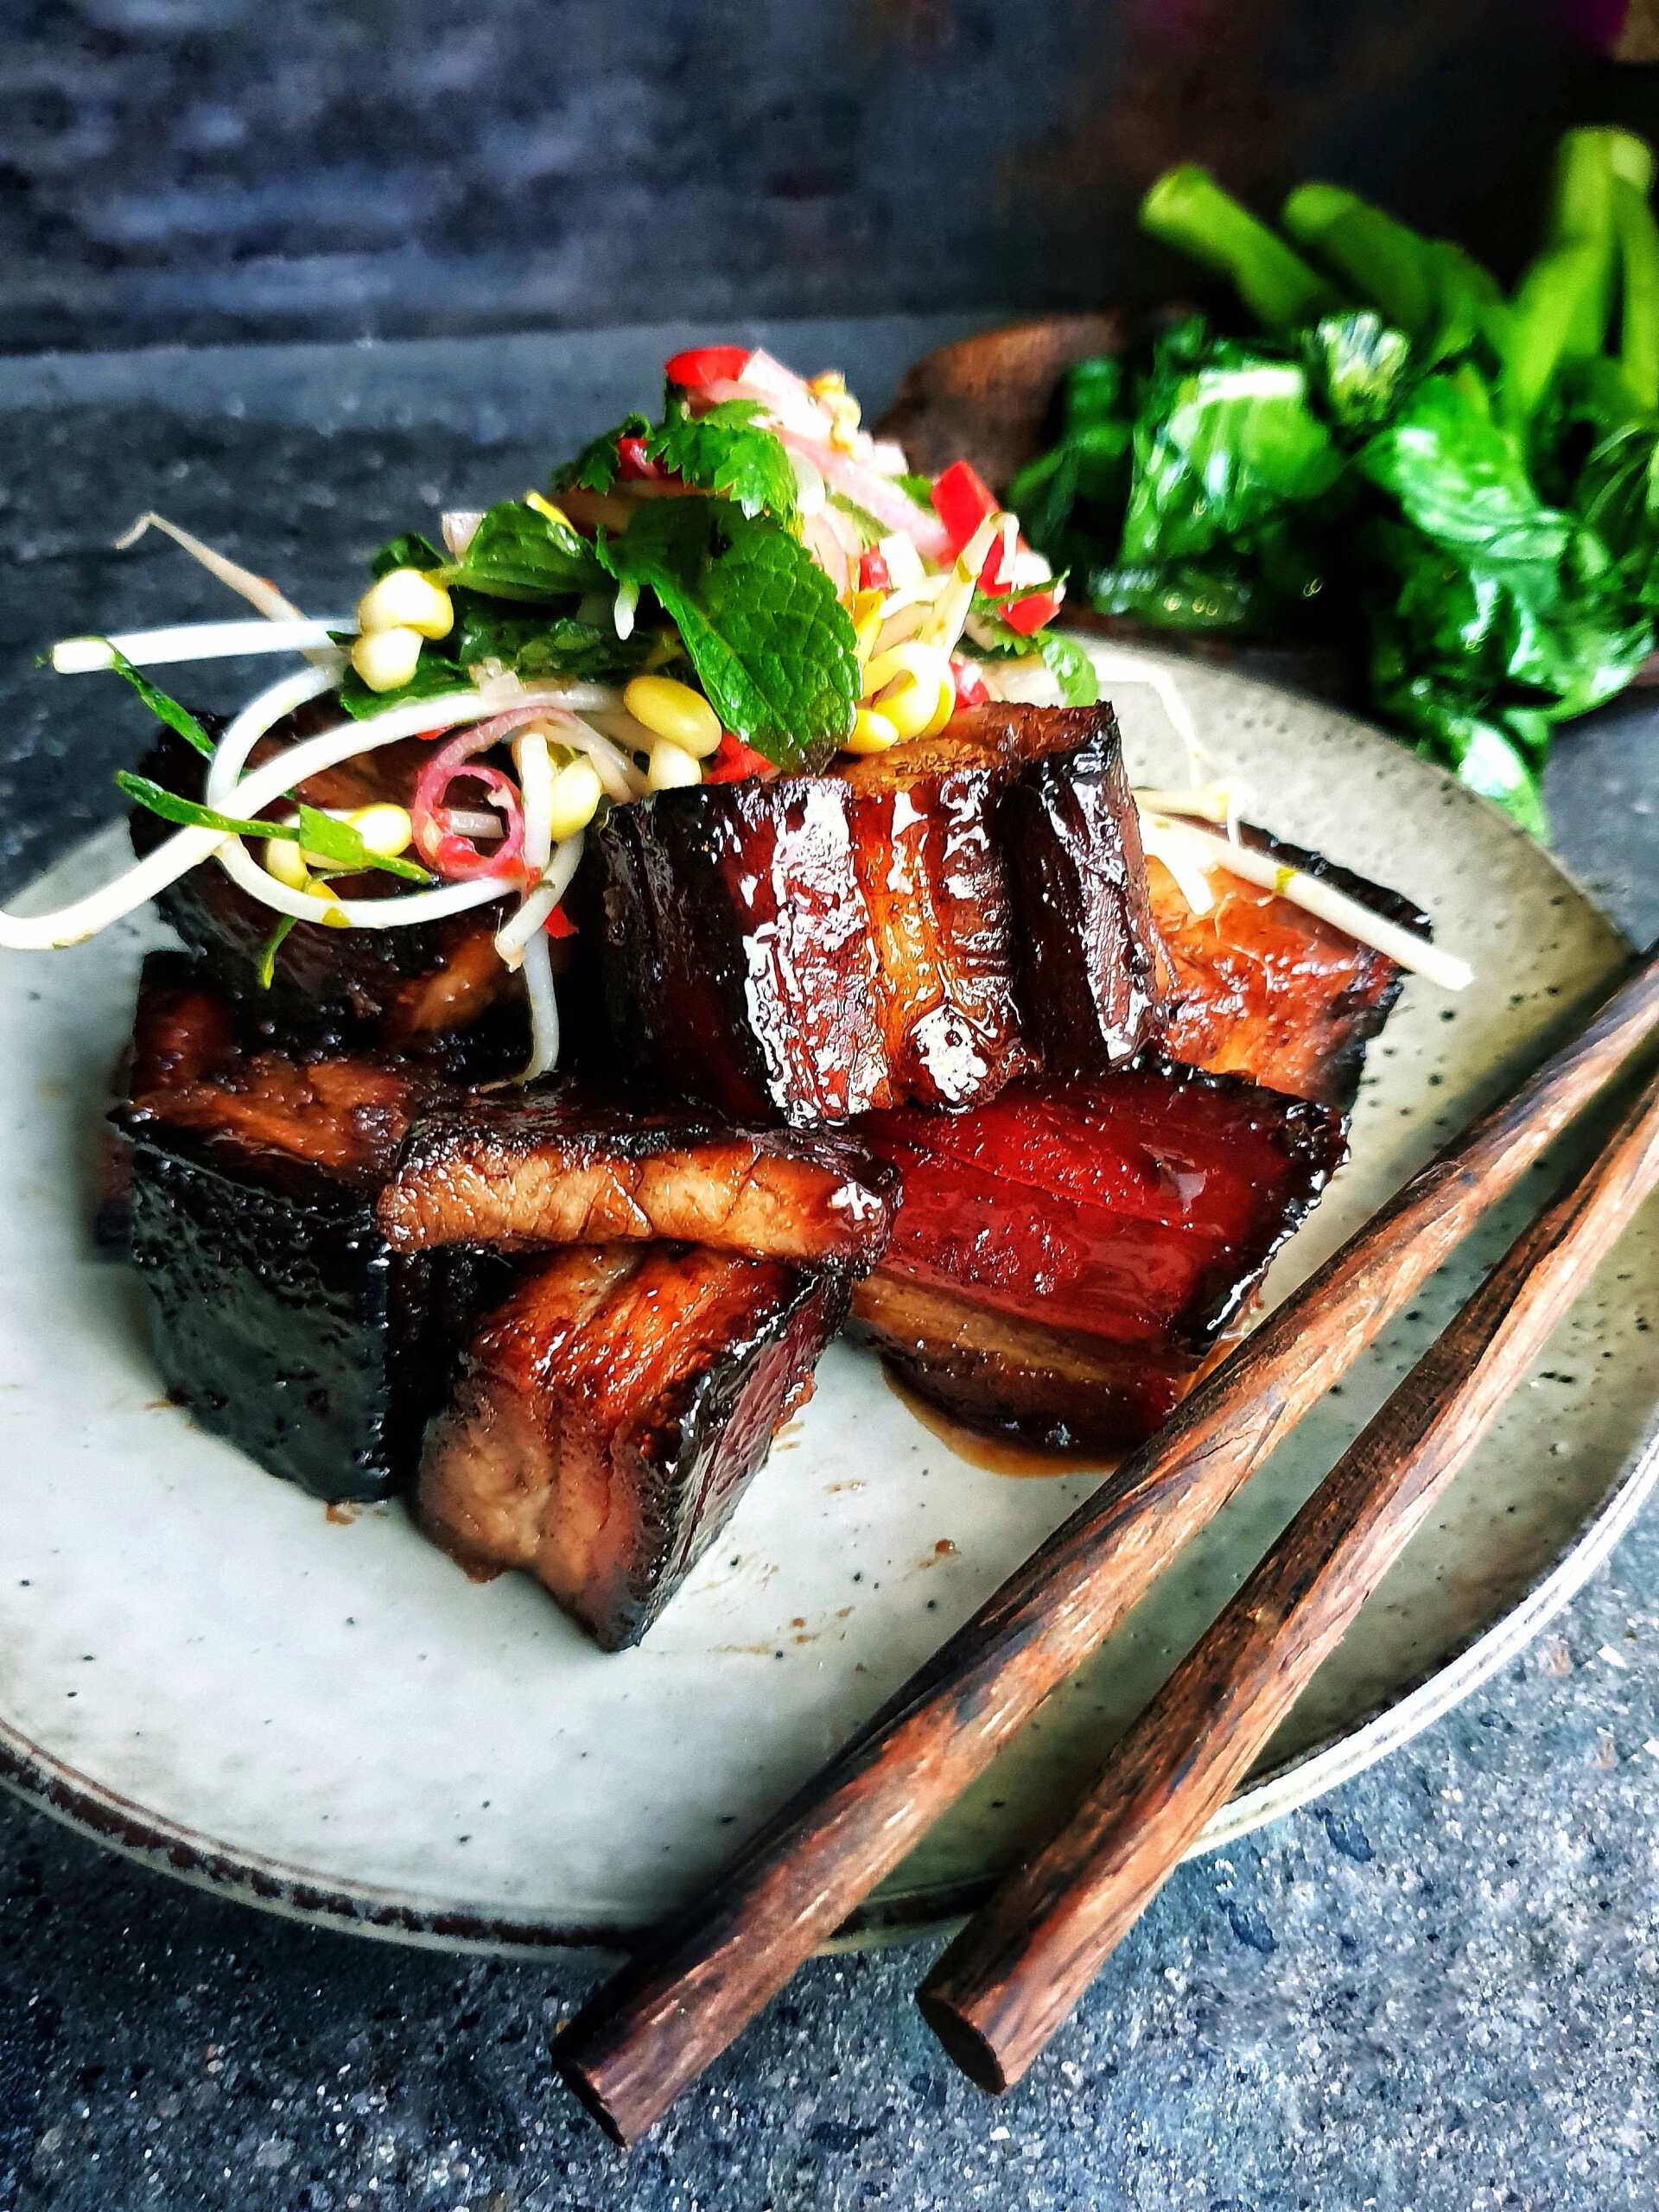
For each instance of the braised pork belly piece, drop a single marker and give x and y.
(1259, 987)
(412, 985)
(610, 1416)
(918, 927)
(1065, 1257)
(279, 1315)
(526, 1170)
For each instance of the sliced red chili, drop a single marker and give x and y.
(874, 574)
(971, 688)
(634, 464)
(1028, 614)
(962, 499)
(559, 924)
(733, 761)
(704, 365)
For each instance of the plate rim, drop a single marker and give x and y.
(41, 1779)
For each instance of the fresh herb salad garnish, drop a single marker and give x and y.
(1464, 482)
(747, 584)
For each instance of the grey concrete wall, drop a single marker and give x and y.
(215, 169)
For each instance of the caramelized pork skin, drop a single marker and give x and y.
(1259, 987)
(611, 1414)
(523, 1171)
(1067, 1256)
(279, 1315)
(411, 985)
(813, 947)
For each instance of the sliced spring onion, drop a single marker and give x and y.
(193, 641)
(1319, 899)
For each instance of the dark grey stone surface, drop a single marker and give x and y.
(208, 168)
(1438, 1991)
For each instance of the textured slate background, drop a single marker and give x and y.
(207, 168)
(1436, 1992)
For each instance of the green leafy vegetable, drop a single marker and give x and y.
(335, 842)
(1463, 486)
(1187, 209)
(411, 550)
(725, 451)
(1359, 368)
(595, 467)
(771, 646)
(164, 709)
(519, 553)
(1223, 448)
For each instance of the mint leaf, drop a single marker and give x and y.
(541, 645)
(771, 644)
(410, 551)
(594, 468)
(722, 451)
(518, 553)
(164, 709)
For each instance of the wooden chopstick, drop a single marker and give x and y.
(1018, 1968)
(652, 2030)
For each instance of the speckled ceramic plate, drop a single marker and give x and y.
(326, 1718)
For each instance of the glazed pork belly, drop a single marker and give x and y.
(1066, 1257)
(411, 985)
(1259, 987)
(279, 1315)
(611, 1412)
(523, 1171)
(918, 927)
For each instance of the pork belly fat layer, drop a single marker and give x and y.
(1090, 980)
(1064, 1257)
(796, 948)
(1261, 988)
(1000, 1376)
(534, 1169)
(816, 946)
(611, 1414)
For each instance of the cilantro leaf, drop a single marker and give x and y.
(338, 842)
(594, 468)
(724, 451)
(920, 489)
(410, 551)
(164, 709)
(1071, 667)
(772, 646)
(266, 968)
(1064, 658)
(519, 553)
